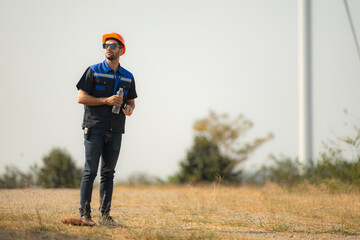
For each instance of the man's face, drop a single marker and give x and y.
(113, 54)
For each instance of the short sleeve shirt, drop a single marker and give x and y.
(100, 80)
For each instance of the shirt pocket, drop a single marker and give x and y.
(101, 87)
(126, 87)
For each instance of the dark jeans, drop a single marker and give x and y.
(107, 145)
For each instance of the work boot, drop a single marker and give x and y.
(107, 220)
(87, 218)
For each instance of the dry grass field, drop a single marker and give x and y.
(186, 212)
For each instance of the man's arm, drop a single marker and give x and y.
(130, 106)
(86, 99)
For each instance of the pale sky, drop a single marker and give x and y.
(188, 57)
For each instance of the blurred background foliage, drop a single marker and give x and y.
(216, 154)
(218, 150)
(58, 171)
(338, 167)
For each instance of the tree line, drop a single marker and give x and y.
(58, 170)
(216, 154)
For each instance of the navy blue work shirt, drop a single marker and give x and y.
(100, 80)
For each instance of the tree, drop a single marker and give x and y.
(217, 151)
(14, 178)
(59, 170)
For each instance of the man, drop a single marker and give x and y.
(103, 129)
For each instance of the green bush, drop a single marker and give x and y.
(284, 171)
(338, 166)
(59, 170)
(217, 150)
(14, 178)
(204, 163)
(141, 179)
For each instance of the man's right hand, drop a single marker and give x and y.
(114, 100)
(87, 99)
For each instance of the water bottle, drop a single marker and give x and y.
(116, 109)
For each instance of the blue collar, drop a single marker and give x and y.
(107, 68)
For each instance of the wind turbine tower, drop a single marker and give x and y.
(305, 118)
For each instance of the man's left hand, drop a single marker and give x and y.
(128, 110)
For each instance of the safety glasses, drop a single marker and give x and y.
(111, 45)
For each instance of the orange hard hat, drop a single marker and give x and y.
(115, 36)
